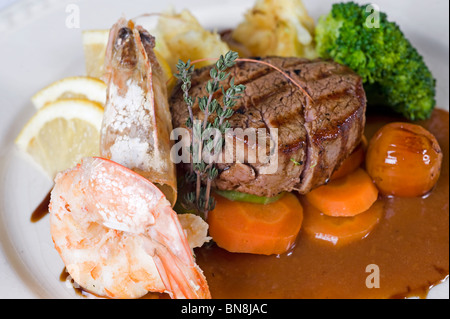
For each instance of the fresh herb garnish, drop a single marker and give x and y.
(296, 162)
(202, 137)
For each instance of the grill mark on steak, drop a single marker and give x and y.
(259, 98)
(258, 73)
(319, 135)
(345, 132)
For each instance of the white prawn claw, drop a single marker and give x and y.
(118, 235)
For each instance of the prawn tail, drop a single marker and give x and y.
(174, 259)
(180, 280)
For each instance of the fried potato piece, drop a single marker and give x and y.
(277, 27)
(196, 229)
(181, 36)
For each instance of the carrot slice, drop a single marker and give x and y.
(340, 230)
(256, 228)
(352, 162)
(346, 196)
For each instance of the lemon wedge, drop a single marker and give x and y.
(61, 133)
(94, 46)
(80, 87)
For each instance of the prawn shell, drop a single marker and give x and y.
(118, 235)
(98, 256)
(137, 122)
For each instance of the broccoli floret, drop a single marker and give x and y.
(386, 61)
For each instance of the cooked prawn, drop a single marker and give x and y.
(137, 122)
(118, 235)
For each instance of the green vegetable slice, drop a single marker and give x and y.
(250, 198)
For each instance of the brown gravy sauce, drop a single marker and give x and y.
(410, 246)
(41, 210)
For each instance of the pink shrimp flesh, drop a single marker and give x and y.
(118, 235)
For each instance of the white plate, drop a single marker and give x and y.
(38, 48)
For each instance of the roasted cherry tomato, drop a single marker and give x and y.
(404, 159)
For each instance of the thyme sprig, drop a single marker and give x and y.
(202, 137)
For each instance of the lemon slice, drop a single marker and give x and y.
(81, 87)
(61, 133)
(171, 80)
(94, 46)
(164, 65)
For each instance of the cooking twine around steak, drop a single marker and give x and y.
(201, 199)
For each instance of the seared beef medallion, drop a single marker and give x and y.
(314, 136)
